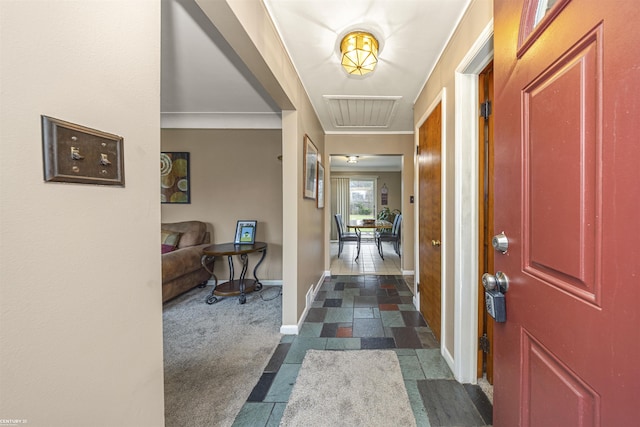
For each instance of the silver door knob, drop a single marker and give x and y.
(500, 282)
(435, 243)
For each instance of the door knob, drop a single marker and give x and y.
(435, 243)
(500, 282)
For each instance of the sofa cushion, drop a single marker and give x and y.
(169, 240)
(192, 232)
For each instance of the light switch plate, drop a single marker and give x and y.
(78, 154)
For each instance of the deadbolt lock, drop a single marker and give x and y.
(500, 242)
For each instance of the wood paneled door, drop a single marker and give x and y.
(429, 222)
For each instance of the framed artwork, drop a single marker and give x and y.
(310, 168)
(320, 186)
(174, 177)
(384, 195)
(245, 232)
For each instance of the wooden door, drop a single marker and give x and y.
(429, 159)
(485, 221)
(567, 195)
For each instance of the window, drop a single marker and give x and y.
(362, 198)
(543, 8)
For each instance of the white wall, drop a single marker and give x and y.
(80, 297)
(443, 81)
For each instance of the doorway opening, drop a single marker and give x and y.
(367, 189)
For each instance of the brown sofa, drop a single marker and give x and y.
(182, 269)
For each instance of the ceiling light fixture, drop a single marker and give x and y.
(352, 159)
(359, 52)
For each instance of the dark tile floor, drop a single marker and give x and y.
(369, 312)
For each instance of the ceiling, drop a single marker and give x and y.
(366, 163)
(206, 85)
(411, 34)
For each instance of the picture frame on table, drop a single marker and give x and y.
(320, 191)
(245, 232)
(310, 169)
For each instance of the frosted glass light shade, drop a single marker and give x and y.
(359, 52)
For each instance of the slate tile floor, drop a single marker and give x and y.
(369, 312)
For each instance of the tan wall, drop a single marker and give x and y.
(393, 181)
(247, 27)
(311, 241)
(380, 144)
(477, 17)
(80, 305)
(235, 174)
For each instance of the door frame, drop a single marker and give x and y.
(446, 339)
(466, 206)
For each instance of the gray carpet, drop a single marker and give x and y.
(214, 354)
(349, 388)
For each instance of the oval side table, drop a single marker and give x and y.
(234, 287)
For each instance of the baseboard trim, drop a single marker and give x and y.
(289, 329)
(295, 329)
(408, 272)
(212, 282)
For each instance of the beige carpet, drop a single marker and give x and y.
(214, 354)
(349, 388)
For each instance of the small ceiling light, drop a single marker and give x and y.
(352, 159)
(359, 52)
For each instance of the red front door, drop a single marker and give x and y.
(567, 195)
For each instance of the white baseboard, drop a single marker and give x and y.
(295, 329)
(289, 329)
(448, 357)
(212, 282)
(408, 272)
(271, 282)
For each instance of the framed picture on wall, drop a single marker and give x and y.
(174, 177)
(320, 186)
(245, 232)
(310, 167)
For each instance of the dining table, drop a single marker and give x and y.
(359, 224)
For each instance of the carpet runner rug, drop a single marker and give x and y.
(349, 388)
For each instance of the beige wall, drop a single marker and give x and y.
(393, 181)
(80, 297)
(235, 174)
(402, 144)
(310, 241)
(247, 27)
(477, 17)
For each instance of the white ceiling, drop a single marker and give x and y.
(206, 85)
(366, 163)
(411, 33)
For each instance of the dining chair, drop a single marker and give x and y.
(393, 236)
(344, 236)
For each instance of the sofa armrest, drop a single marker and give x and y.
(181, 262)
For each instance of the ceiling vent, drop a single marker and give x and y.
(362, 111)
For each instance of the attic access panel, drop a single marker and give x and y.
(362, 111)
